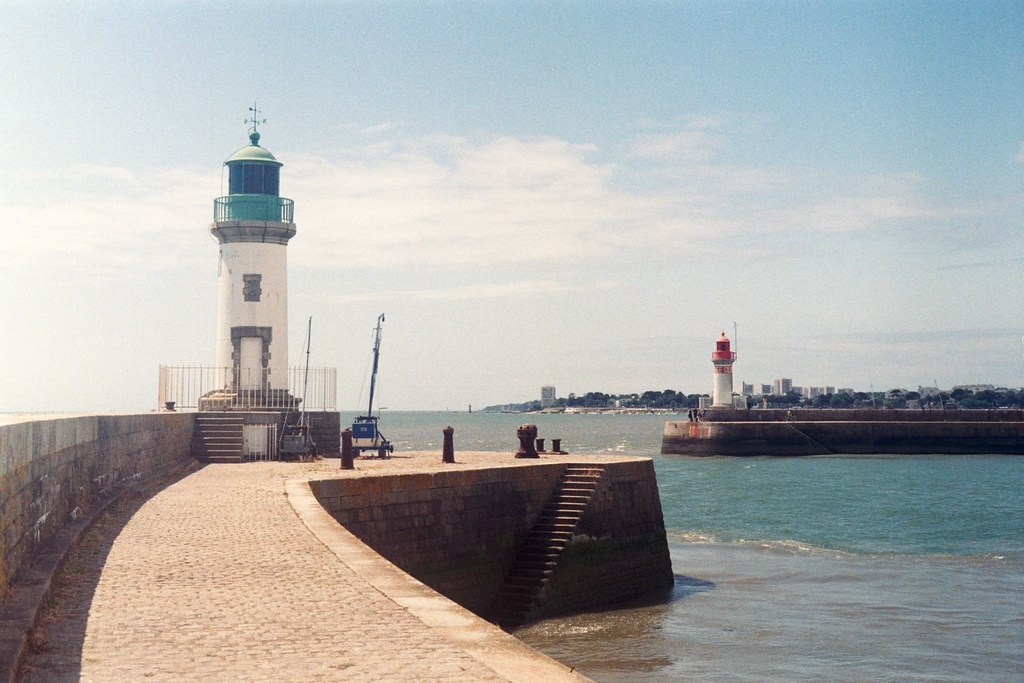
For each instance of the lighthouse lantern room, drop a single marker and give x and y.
(722, 358)
(253, 225)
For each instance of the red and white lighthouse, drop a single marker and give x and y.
(722, 358)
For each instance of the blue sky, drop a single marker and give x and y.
(567, 193)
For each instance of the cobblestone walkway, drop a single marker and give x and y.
(215, 577)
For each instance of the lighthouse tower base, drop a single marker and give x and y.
(249, 400)
(245, 436)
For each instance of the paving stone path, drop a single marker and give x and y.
(215, 577)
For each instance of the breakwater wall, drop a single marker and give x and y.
(53, 470)
(458, 530)
(864, 431)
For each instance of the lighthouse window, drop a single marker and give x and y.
(251, 286)
(271, 180)
(254, 179)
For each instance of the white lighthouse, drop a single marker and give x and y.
(253, 225)
(722, 358)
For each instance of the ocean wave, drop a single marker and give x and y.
(692, 536)
(797, 547)
(790, 546)
(786, 546)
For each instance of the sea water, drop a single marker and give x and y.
(884, 568)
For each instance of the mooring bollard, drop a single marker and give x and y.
(346, 450)
(448, 451)
(556, 446)
(526, 434)
(540, 445)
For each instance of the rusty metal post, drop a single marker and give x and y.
(556, 446)
(540, 445)
(527, 434)
(448, 451)
(346, 450)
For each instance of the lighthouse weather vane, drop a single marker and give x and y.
(255, 120)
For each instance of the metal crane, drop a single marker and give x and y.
(365, 434)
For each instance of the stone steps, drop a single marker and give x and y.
(537, 557)
(217, 437)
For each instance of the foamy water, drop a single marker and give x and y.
(746, 612)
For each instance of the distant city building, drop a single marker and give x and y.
(783, 386)
(756, 390)
(547, 396)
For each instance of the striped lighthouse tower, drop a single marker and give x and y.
(253, 225)
(722, 358)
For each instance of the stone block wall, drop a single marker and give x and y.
(457, 531)
(326, 428)
(52, 470)
(620, 548)
(976, 432)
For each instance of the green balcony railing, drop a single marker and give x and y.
(253, 207)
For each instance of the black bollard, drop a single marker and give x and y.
(448, 452)
(556, 446)
(346, 450)
(540, 445)
(527, 433)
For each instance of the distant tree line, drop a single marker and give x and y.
(900, 398)
(666, 399)
(669, 399)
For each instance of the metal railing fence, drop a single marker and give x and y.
(206, 387)
(260, 442)
(253, 207)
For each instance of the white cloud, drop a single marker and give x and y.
(697, 144)
(379, 128)
(447, 200)
(114, 217)
(484, 290)
(450, 201)
(846, 204)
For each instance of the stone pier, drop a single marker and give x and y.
(237, 571)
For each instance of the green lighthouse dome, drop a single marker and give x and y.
(253, 153)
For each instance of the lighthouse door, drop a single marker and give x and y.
(250, 365)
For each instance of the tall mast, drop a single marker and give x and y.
(305, 379)
(376, 357)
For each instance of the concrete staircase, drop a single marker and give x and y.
(217, 437)
(537, 557)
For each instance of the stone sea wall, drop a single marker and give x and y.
(865, 415)
(457, 531)
(822, 432)
(53, 470)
